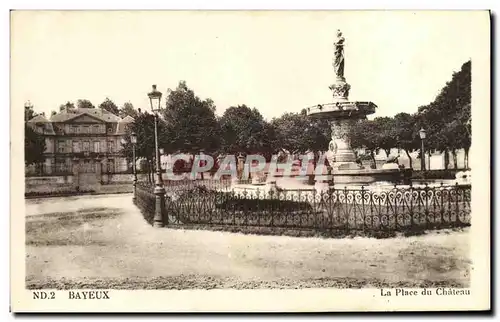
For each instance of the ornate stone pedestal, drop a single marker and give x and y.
(340, 89)
(342, 115)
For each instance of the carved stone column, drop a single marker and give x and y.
(341, 154)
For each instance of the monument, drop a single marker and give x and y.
(342, 114)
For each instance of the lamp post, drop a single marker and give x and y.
(159, 191)
(422, 134)
(133, 140)
(162, 152)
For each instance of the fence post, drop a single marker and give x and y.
(134, 184)
(457, 209)
(363, 213)
(160, 219)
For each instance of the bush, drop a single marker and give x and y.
(73, 192)
(436, 174)
(263, 204)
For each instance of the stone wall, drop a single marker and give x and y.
(65, 184)
(49, 180)
(122, 177)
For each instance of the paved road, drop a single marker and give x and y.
(103, 241)
(60, 204)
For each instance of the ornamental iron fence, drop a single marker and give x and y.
(214, 203)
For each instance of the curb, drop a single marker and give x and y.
(76, 194)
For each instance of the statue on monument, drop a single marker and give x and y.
(338, 63)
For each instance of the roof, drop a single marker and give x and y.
(41, 125)
(98, 113)
(39, 119)
(127, 119)
(122, 125)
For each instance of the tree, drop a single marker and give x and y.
(191, 125)
(109, 106)
(406, 131)
(29, 112)
(298, 133)
(385, 133)
(52, 113)
(364, 134)
(84, 103)
(447, 118)
(245, 130)
(34, 146)
(143, 126)
(67, 106)
(128, 110)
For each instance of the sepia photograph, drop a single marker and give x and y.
(324, 160)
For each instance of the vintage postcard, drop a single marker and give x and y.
(250, 161)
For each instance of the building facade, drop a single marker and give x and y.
(82, 141)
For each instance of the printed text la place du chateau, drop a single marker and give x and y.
(424, 292)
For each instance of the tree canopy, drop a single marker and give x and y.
(109, 106)
(128, 110)
(29, 112)
(84, 103)
(244, 130)
(68, 105)
(191, 124)
(447, 120)
(34, 146)
(297, 133)
(143, 126)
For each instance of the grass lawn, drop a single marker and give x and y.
(103, 242)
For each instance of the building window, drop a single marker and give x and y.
(76, 146)
(110, 166)
(60, 166)
(86, 166)
(60, 146)
(97, 129)
(111, 146)
(86, 146)
(86, 129)
(96, 146)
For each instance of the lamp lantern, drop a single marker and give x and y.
(155, 99)
(422, 133)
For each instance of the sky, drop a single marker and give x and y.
(276, 61)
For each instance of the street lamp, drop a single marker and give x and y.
(162, 152)
(133, 140)
(422, 134)
(159, 191)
